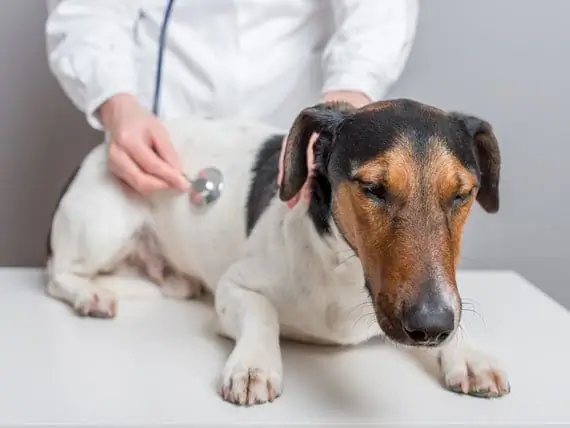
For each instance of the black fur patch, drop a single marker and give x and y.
(61, 193)
(321, 191)
(368, 289)
(378, 131)
(264, 186)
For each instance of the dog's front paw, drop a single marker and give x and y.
(250, 381)
(472, 372)
(96, 304)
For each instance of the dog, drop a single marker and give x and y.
(391, 188)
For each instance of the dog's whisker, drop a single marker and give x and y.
(469, 305)
(363, 303)
(346, 259)
(360, 306)
(473, 311)
(364, 317)
(469, 301)
(341, 252)
(461, 332)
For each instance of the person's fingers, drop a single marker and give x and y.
(162, 145)
(127, 190)
(148, 161)
(127, 170)
(160, 141)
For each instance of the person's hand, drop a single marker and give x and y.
(357, 99)
(139, 150)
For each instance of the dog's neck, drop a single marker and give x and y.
(321, 237)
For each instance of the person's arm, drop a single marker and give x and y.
(90, 50)
(369, 48)
(89, 47)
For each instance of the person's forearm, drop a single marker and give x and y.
(90, 51)
(113, 107)
(369, 46)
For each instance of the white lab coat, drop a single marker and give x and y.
(256, 59)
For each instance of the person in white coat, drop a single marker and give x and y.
(258, 60)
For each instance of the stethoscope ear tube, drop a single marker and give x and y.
(207, 187)
(161, 43)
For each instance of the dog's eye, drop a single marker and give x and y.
(460, 199)
(375, 191)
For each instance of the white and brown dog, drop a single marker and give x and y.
(392, 187)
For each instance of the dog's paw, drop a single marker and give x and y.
(99, 303)
(250, 384)
(468, 371)
(181, 287)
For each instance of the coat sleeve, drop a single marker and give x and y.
(90, 52)
(370, 45)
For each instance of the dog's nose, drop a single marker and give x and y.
(430, 320)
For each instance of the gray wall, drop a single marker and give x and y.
(42, 136)
(506, 61)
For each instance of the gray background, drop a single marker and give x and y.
(506, 61)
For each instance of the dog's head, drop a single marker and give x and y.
(403, 177)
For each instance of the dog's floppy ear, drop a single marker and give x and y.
(486, 148)
(322, 119)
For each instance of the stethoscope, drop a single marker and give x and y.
(207, 187)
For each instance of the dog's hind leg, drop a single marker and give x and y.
(181, 287)
(80, 291)
(253, 372)
(90, 247)
(173, 284)
(86, 280)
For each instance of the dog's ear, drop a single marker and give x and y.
(322, 119)
(486, 148)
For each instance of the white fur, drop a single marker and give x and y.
(284, 280)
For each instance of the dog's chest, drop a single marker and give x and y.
(330, 305)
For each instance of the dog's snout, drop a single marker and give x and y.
(429, 321)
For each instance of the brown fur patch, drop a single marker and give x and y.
(417, 232)
(449, 178)
(396, 169)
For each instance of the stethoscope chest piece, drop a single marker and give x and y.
(206, 188)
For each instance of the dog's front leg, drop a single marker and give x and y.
(253, 372)
(467, 369)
